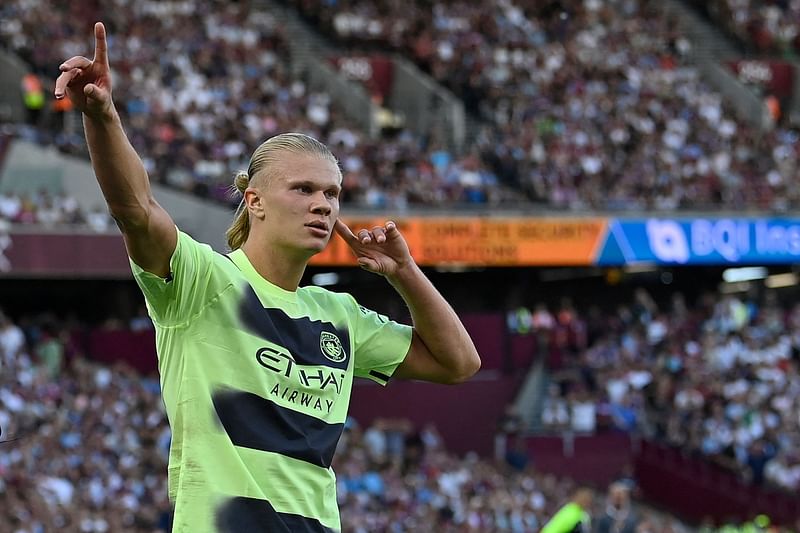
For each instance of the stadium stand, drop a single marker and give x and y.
(197, 101)
(589, 104)
(87, 450)
(717, 378)
(634, 122)
(50, 211)
(584, 105)
(763, 27)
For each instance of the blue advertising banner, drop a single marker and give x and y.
(701, 241)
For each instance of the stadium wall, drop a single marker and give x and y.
(691, 487)
(695, 488)
(466, 416)
(452, 242)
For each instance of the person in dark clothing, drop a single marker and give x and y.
(619, 516)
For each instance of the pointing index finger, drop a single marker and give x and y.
(344, 231)
(100, 44)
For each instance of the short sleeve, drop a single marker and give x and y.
(190, 285)
(380, 344)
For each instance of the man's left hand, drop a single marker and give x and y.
(382, 249)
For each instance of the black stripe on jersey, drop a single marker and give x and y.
(251, 515)
(301, 336)
(257, 423)
(379, 375)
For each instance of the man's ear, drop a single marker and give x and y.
(254, 201)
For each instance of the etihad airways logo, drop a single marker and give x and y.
(319, 379)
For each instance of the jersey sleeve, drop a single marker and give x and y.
(190, 285)
(380, 344)
(566, 519)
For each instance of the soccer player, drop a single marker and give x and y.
(574, 516)
(256, 372)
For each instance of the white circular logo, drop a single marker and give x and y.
(331, 347)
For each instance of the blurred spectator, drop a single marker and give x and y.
(758, 455)
(98, 219)
(12, 341)
(375, 441)
(50, 351)
(33, 97)
(555, 413)
(517, 455)
(509, 427)
(519, 320)
(142, 321)
(583, 411)
(542, 319)
(10, 206)
(784, 470)
(619, 516)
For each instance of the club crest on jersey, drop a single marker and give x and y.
(331, 347)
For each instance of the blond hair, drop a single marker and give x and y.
(265, 159)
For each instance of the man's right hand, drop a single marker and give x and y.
(88, 82)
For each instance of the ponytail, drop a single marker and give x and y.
(240, 227)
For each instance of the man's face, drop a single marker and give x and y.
(301, 202)
(619, 497)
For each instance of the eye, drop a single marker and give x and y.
(332, 194)
(305, 189)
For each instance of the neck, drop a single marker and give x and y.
(283, 270)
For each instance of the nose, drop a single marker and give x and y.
(320, 205)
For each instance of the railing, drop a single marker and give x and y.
(427, 106)
(12, 69)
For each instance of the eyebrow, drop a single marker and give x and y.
(313, 184)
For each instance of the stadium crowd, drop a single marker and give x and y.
(199, 85)
(589, 104)
(87, 445)
(51, 210)
(586, 105)
(719, 378)
(771, 27)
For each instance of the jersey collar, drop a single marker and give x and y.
(256, 280)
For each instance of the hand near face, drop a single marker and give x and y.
(381, 250)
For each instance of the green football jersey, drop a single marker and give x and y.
(256, 381)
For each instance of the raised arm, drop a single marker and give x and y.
(149, 232)
(441, 349)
